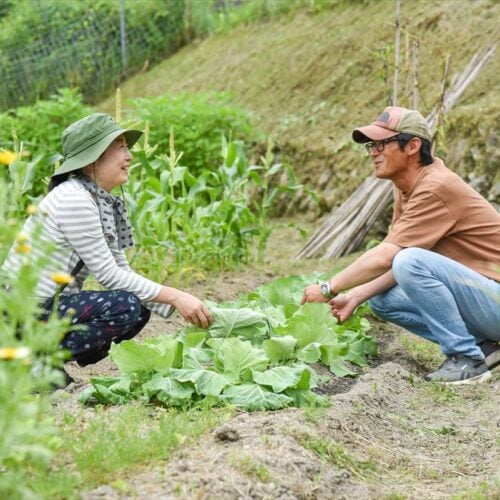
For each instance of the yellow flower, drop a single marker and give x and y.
(14, 352)
(23, 248)
(62, 278)
(31, 209)
(7, 157)
(22, 238)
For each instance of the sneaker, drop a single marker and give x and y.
(459, 369)
(491, 351)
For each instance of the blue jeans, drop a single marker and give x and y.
(441, 300)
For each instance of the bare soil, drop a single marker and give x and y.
(388, 434)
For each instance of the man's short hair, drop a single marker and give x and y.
(425, 147)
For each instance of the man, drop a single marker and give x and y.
(437, 272)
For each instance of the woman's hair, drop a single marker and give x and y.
(425, 148)
(58, 179)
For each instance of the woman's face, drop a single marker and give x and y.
(111, 168)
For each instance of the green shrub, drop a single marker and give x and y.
(34, 132)
(198, 121)
(40, 125)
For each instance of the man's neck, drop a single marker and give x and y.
(407, 178)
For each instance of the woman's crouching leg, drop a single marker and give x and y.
(100, 318)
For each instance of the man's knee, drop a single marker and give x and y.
(407, 261)
(379, 304)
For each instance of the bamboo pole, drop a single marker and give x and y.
(396, 56)
(416, 92)
(440, 106)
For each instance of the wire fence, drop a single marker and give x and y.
(93, 53)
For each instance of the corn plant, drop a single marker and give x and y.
(208, 221)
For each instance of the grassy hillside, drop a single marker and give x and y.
(311, 77)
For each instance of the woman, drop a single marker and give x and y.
(89, 228)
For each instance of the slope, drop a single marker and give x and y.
(310, 78)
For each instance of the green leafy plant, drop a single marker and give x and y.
(29, 357)
(208, 221)
(251, 357)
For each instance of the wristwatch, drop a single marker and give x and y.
(326, 290)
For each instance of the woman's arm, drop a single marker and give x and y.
(79, 220)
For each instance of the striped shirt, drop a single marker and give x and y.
(71, 224)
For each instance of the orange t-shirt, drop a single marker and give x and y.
(444, 214)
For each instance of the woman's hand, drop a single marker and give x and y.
(343, 306)
(192, 309)
(188, 306)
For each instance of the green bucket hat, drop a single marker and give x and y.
(85, 140)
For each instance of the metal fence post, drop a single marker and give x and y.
(123, 36)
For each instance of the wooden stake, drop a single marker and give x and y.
(416, 92)
(396, 57)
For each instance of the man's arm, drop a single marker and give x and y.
(344, 305)
(365, 268)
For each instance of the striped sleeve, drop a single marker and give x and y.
(78, 219)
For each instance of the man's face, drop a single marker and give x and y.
(390, 162)
(112, 167)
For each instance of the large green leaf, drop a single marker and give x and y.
(310, 353)
(167, 390)
(158, 354)
(206, 382)
(307, 398)
(255, 397)
(237, 358)
(196, 358)
(282, 291)
(242, 322)
(114, 390)
(338, 367)
(280, 348)
(331, 352)
(313, 322)
(194, 336)
(284, 377)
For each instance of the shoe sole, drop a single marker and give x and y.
(493, 359)
(479, 379)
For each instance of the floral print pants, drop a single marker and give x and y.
(100, 318)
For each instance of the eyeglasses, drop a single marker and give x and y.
(378, 145)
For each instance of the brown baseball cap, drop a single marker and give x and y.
(391, 122)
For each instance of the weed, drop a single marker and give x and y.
(423, 351)
(101, 445)
(441, 393)
(251, 468)
(335, 453)
(486, 490)
(440, 431)
(314, 415)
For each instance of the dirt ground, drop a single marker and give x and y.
(387, 434)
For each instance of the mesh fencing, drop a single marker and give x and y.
(88, 54)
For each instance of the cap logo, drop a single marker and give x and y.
(384, 117)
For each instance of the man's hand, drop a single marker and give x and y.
(343, 306)
(192, 309)
(313, 294)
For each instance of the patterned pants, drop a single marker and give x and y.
(106, 317)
